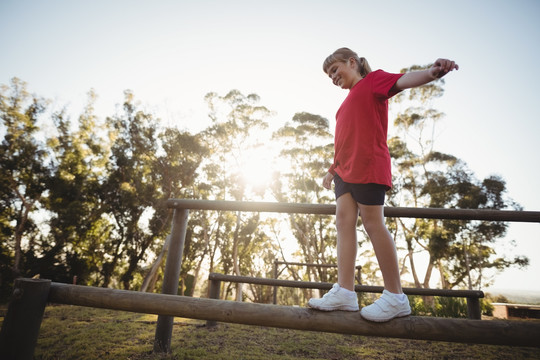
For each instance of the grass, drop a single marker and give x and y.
(72, 332)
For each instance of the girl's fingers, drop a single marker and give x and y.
(442, 67)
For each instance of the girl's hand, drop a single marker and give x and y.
(412, 79)
(327, 180)
(442, 67)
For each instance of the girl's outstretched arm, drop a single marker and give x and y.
(440, 68)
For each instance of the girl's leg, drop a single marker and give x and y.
(342, 295)
(383, 244)
(346, 219)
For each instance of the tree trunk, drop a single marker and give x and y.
(467, 265)
(429, 271)
(444, 281)
(413, 269)
(152, 274)
(200, 262)
(428, 300)
(108, 268)
(19, 230)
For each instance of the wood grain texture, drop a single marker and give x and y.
(515, 333)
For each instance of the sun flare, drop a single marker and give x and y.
(257, 162)
(257, 166)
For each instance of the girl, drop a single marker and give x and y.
(361, 173)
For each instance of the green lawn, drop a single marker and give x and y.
(73, 332)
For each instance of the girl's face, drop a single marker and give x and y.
(344, 74)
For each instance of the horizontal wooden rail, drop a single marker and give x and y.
(421, 328)
(358, 276)
(310, 264)
(328, 209)
(472, 296)
(328, 286)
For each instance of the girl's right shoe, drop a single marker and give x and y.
(337, 298)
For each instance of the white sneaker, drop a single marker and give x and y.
(387, 307)
(337, 298)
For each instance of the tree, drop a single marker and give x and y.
(24, 172)
(129, 191)
(175, 170)
(78, 231)
(424, 177)
(236, 119)
(307, 149)
(471, 251)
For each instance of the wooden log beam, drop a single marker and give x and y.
(328, 209)
(514, 333)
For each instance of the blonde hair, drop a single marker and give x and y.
(343, 55)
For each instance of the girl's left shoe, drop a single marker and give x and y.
(387, 307)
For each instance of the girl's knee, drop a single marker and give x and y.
(372, 219)
(346, 211)
(374, 227)
(345, 219)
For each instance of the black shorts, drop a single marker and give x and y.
(366, 194)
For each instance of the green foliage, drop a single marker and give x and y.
(231, 243)
(424, 177)
(450, 307)
(439, 306)
(89, 202)
(486, 308)
(78, 229)
(307, 147)
(130, 189)
(95, 188)
(23, 174)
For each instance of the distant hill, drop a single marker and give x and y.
(516, 296)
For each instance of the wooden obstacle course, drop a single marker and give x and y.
(515, 333)
(180, 205)
(35, 294)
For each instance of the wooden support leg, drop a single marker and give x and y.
(162, 340)
(20, 328)
(473, 308)
(215, 288)
(275, 277)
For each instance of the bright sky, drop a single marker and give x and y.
(171, 53)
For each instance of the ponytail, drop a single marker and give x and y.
(363, 66)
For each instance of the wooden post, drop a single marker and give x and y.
(20, 328)
(473, 308)
(359, 274)
(215, 288)
(275, 277)
(162, 340)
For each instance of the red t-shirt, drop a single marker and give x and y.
(361, 153)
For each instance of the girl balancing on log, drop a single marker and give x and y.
(361, 172)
